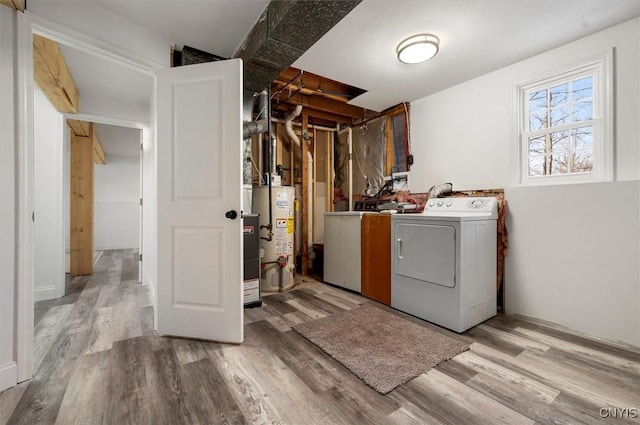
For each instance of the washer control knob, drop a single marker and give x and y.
(448, 204)
(440, 203)
(431, 203)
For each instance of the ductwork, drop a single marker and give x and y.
(250, 128)
(284, 31)
(261, 125)
(288, 125)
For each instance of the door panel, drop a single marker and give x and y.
(426, 252)
(199, 180)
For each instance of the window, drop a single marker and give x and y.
(564, 126)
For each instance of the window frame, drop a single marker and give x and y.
(600, 67)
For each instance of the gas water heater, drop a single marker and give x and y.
(277, 261)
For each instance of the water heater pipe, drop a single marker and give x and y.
(288, 125)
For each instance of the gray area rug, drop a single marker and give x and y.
(382, 349)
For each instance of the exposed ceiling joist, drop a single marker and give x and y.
(53, 77)
(14, 4)
(87, 129)
(322, 104)
(317, 84)
(315, 113)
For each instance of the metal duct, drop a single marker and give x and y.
(285, 30)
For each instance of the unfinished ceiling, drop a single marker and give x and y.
(323, 99)
(285, 30)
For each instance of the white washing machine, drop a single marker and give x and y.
(443, 266)
(342, 238)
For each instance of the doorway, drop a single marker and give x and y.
(105, 110)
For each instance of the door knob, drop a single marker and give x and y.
(231, 214)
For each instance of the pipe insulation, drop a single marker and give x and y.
(288, 125)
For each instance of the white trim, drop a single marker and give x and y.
(600, 65)
(29, 23)
(102, 119)
(8, 375)
(45, 293)
(24, 310)
(152, 295)
(89, 44)
(8, 180)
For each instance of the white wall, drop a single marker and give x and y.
(117, 189)
(106, 26)
(8, 369)
(48, 169)
(574, 253)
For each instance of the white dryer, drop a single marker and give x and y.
(443, 266)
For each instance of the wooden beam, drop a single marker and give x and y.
(304, 228)
(81, 209)
(99, 156)
(14, 4)
(81, 128)
(328, 203)
(323, 104)
(52, 75)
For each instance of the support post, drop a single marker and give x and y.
(81, 209)
(305, 196)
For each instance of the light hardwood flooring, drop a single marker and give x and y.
(98, 361)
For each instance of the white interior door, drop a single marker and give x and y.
(199, 201)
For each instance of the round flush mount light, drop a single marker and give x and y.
(418, 48)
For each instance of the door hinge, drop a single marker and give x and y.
(141, 146)
(140, 257)
(140, 201)
(33, 216)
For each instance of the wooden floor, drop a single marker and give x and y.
(98, 361)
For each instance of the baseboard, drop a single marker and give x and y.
(154, 303)
(8, 376)
(44, 293)
(108, 246)
(152, 292)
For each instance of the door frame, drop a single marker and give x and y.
(28, 24)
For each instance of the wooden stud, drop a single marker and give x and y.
(328, 200)
(81, 209)
(314, 176)
(52, 75)
(390, 146)
(304, 228)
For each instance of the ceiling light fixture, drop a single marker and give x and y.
(418, 48)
